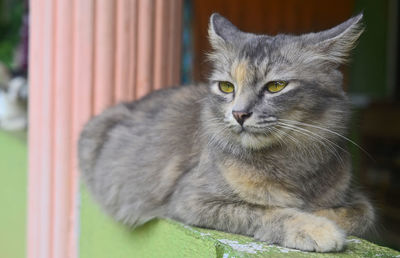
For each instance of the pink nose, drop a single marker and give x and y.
(241, 116)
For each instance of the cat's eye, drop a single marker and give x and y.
(226, 87)
(276, 86)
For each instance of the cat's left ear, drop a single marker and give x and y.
(222, 32)
(334, 45)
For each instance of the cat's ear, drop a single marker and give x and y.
(334, 45)
(222, 32)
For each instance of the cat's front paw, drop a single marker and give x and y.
(312, 233)
(304, 232)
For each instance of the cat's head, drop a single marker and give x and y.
(263, 88)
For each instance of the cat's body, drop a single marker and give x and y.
(245, 161)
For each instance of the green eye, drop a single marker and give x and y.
(276, 86)
(226, 87)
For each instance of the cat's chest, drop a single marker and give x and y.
(255, 187)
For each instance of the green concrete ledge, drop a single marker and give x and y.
(13, 181)
(101, 237)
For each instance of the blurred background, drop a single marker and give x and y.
(372, 80)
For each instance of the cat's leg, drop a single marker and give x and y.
(287, 227)
(301, 230)
(355, 218)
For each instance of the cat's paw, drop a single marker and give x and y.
(312, 233)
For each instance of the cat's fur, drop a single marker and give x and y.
(180, 154)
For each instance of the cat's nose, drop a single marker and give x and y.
(241, 116)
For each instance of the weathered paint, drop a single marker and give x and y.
(101, 237)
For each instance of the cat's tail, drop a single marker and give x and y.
(93, 136)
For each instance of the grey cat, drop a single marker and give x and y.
(259, 151)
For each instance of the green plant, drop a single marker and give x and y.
(11, 13)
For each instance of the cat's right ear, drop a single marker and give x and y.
(334, 45)
(222, 32)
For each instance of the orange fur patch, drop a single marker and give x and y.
(255, 188)
(240, 73)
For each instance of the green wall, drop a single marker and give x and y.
(101, 237)
(13, 167)
(369, 61)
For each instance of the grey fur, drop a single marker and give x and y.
(284, 177)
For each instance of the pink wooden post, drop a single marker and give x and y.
(85, 56)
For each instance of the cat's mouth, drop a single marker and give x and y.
(263, 126)
(255, 129)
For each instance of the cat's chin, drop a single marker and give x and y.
(255, 141)
(252, 137)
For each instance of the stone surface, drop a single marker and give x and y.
(102, 237)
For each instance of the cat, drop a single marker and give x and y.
(259, 151)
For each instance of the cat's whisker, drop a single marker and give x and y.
(201, 100)
(294, 140)
(330, 131)
(265, 122)
(300, 146)
(279, 133)
(278, 136)
(215, 140)
(216, 119)
(320, 139)
(327, 143)
(331, 145)
(314, 134)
